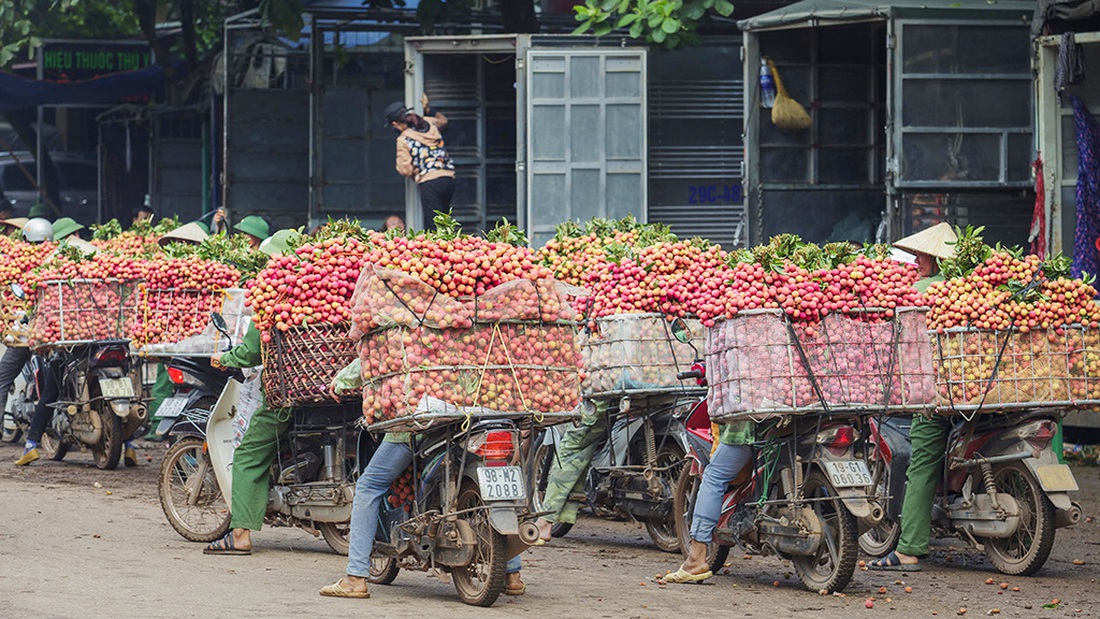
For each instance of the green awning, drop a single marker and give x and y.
(822, 12)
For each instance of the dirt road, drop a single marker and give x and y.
(70, 549)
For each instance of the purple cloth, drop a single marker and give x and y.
(1086, 257)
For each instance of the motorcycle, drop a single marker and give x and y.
(469, 514)
(634, 471)
(1003, 489)
(22, 399)
(187, 486)
(97, 406)
(804, 498)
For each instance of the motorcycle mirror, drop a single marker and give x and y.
(18, 291)
(681, 331)
(219, 323)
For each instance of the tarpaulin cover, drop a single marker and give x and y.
(1049, 11)
(17, 93)
(809, 11)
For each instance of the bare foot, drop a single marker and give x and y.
(242, 539)
(545, 527)
(357, 584)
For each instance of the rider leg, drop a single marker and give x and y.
(573, 455)
(725, 464)
(252, 472)
(11, 364)
(928, 437)
(386, 465)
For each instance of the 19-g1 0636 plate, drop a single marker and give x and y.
(848, 473)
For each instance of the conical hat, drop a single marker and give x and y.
(15, 222)
(190, 232)
(938, 241)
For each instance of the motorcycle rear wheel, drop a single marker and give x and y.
(879, 540)
(206, 520)
(543, 462)
(383, 570)
(54, 448)
(481, 582)
(336, 536)
(6, 435)
(831, 568)
(683, 506)
(1025, 552)
(664, 531)
(108, 451)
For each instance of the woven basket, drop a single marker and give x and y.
(299, 364)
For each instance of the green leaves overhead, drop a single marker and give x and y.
(669, 23)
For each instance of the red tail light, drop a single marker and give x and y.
(495, 445)
(839, 438)
(1038, 433)
(111, 355)
(175, 375)
(882, 448)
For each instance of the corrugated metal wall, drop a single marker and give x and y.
(695, 143)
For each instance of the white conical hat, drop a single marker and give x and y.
(191, 232)
(938, 241)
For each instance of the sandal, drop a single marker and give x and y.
(683, 576)
(337, 590)
(892, 563)
(225, 546)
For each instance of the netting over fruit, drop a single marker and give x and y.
(629, 353)
(501, 367)
(992, 371)
(176, 322)
(13, 331)
(760, 364)
(83, 310)
(300, 362)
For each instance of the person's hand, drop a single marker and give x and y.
(219, 216)
(332, 390)
(424, 101)
(216, 362)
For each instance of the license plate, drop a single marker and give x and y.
(848, 473)
(501, 483)
(171, 408)
(1056, 478)
(113, 388)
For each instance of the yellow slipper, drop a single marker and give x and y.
(337, 590)
(682, 576)
(28, 456)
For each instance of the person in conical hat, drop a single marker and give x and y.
(12, 226)
(191, 233)
(929, 246)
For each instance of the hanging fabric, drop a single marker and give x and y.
(1070, 69)
(1086, 257)
(1038, 234)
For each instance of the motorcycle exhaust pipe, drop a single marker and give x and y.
(1067, 517)
(529, 533)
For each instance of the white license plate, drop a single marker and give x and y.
(113, 388)
(171, 407)
(1056, 478)
(501, 483)
(848, 473)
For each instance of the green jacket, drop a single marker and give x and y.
(922, 285)
(247, 353)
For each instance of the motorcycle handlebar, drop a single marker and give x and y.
(689, 374)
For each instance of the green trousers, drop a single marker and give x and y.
(252, 466)
(571, 461)
(928, 438)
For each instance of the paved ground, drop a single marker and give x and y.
(70, 549)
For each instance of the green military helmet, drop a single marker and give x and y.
(66, 226)
(279, 243)
(39, 210)
(253, 225)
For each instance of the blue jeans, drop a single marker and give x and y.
(724, 465)
(386, 465)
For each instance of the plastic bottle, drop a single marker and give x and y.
(767, 85)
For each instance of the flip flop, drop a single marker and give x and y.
(336, 590)
(225, 546)
(892, 563)
(520, 590)
(685, 577)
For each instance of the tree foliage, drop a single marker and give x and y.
(670, 23)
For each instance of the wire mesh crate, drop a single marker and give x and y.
(760, 364)
(79, 311)
(995, 371)
(636, 353)
(176, 322)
